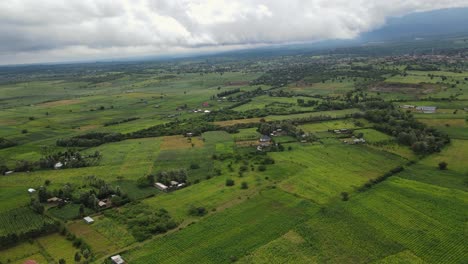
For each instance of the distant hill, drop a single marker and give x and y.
(421, 25)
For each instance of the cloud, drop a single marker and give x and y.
(55, 30)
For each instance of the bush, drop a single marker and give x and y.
(229, 182)
(443, 165)
(194, 166)
(262, 168)
(197, 211)
(244, 185)
(344, 196)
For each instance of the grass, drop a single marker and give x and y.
(229, 234)
(19, 252)
(58, 247)
(21, 220)
(67, 212)
(373, 136)
(113, 231)
(321, 180)
(100, 244)
(450, 154)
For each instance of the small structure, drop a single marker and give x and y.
(189, 134)
(207, 111)
(174, 183)
(54, 200)
(359, 141)
(180, 185)
(88, 220)
(117, 259)
(427, 109)
(58, 165)
(407, 106)
(31, 190)
(8, 172)
(265, 141)
(102, 204)
(161, 186)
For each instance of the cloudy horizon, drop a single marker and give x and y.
(56, 31)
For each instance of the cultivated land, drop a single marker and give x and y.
(267, 154)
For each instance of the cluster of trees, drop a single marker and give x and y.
(90, 139)
(308, 103)
(70, 159)
(116, 122)
(405, 128)
(380, 179)
(164, 177)
(5, 143)
(228, 92)
(142, 221)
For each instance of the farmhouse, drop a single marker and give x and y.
(265, 141)
(88, 220)
(58, 165)
(102, 203)
(54, 200)
(359, 141)
(161, 186)
(117, 259)
(427, 109)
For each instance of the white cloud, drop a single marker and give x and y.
(53, 30)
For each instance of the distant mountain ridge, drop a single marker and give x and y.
(420, 25)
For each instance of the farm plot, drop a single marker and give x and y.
(332, 125)
(19, 252)
(397, 220)
(58, 247)
(180, 142)
(289, 248)
(99, 244)
(23, 220)
(228, 235)
(453, 155)
(113, 231)
(321, 179)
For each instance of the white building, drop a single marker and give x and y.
(161, 186)
(88, 220)
(58, 165)
(117, 259)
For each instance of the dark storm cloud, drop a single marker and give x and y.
(52, 30)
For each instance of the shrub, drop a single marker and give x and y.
(244, 185)
(443, 165)
(344, 196)
(262, 168)
(194, 166)
(229, 182)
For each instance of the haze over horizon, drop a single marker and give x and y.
(56, 31)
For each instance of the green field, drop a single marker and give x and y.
(307, 196)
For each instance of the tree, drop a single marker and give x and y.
(77, 257)
(82, 210)
(244, 185)
(62, 261)
(229, 182)
(344, 196)
(443, 165)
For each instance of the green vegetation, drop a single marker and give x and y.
(262, 159)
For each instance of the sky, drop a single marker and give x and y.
(34, 31)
